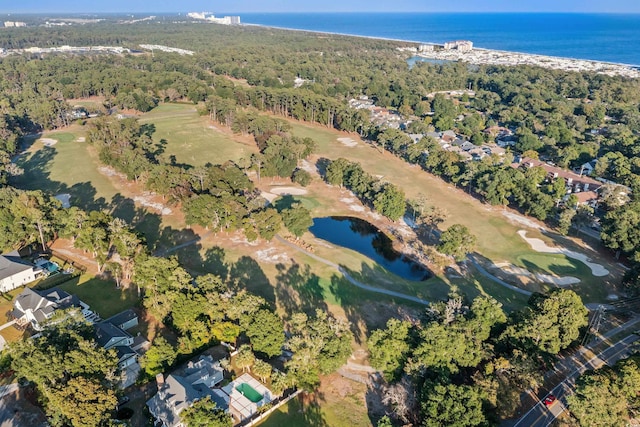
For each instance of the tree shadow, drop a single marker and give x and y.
(349, 299)
(37, 176)
(247, 274)
(298, 289)
(322, 164)
(125, 208)
(284, 202)
(312, 413)
(373, 397)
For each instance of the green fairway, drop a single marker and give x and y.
(187, 136)
(497, 236)
(66, 167)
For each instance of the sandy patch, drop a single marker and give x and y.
(109, 171)
(242, 240)
(348, 142)
(48, 142)
(353, 204)
(321, 242)
(65, 199)
(539, 245)
(512, 269)
(81, 139)
(560, 281)
(272, 256)
(269, 196)
(309, 167)
(293, 191)
(522, 220)
(145, 200)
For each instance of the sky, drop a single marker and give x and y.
(247, 6)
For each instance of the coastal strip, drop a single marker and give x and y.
(481, 56)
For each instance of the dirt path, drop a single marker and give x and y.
(353, 281)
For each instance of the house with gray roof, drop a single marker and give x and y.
(112, 334)
(124, 320)
(177, 393)
(36, 307)
(15, 272)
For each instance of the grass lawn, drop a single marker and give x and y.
(190, 138)
(102, 295)
(66, 167)
(335, 405)
(6, 305)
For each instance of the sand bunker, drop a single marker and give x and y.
(81, 139)
(520, 272)
(348, 142)
(560, 281)
(269, 196)
(293, 191)
(48, 142)
(65, 199)
(539, 245)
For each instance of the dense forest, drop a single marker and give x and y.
(463, 363)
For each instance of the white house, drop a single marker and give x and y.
(36, 307)
(14, 272)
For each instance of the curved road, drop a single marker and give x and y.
(351, 280)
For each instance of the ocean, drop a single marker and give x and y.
(602, 37)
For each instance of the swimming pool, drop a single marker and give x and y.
(249, 392)
(50, 266)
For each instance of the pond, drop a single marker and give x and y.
(365, 238)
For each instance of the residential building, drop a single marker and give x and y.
(177, 393)
(36, 307)
(112, 334)
(14, 272)
(575, 183)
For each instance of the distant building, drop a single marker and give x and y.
(426, 48)
(11, 24)
(207, 16)
(459, 45)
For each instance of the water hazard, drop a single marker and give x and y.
(365, 238)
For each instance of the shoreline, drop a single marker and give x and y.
(625, 70)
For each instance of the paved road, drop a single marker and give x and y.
(353, 281)
(541, 416)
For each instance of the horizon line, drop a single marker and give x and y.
(337, 12)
